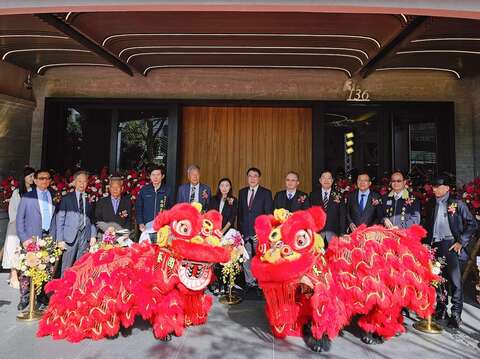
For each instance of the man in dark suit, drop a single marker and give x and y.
(35, 218)
(333, 204)
(399, 209)
(194, 191)
(291, 198)
(75, 222)
(114, 210)
(253, 201)
(363, 205)
(450, 226)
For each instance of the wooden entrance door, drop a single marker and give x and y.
(226, 141)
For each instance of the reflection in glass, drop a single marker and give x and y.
(142, 140)
(363, 153)
(74, 138)
(423, 147)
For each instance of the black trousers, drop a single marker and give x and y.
(453, 277)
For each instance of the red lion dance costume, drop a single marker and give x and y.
(373, 272)
(164, 283)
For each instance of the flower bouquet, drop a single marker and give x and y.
(231, 269)
(113, 238)
(37, 258)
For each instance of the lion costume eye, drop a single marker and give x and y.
(302, 239)
(275, 235)
(183, 227)
(207, 226)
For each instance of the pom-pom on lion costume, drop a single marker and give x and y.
(373, 272)
(164, 283)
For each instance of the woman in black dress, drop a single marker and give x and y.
(227, 205)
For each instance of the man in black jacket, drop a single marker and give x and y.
(450, 227)
(114, 210)
(253, 201)
(291, 198)
(333, 204)
(363, 204)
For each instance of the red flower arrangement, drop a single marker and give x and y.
(7, 186)
(471, 196)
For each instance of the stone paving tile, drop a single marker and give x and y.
(235, 332)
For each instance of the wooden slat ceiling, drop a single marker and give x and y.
(151, 41)
(30, 43)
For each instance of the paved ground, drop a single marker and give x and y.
(238, 331)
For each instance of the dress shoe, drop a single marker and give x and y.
(441, 315)
(454, 321)
(22, 306)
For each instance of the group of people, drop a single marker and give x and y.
(77, 224)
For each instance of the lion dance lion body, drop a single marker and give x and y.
(164, 283)
(373, 272)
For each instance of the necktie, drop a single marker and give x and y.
(81, 209)
(192, 194)
(250, 201)
(289, 196)
(45, 211)
(116, 203)
(362, 201)
(325, 200)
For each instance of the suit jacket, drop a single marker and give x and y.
(104, 211)
(69, 219)
(149, 202)
(183, 194)
(29, 217)
(299, 201)
(336, 211)
(370, 214)
(229, 211)
(262, 204)
(402, 213)
(462, 223)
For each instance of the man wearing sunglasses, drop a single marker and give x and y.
(35, 218)
(400, 209)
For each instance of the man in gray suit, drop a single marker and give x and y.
(194, 191)
(74, 221)
(35, 218)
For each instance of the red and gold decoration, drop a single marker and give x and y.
(163, 282)
(373, 272)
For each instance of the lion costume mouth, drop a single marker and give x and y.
(195, 275)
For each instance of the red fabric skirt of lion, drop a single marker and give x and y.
(373, 272)
(164, 283)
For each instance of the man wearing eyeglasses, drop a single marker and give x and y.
(35, 218)
(400, 209)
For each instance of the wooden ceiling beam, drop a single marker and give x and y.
(403, 37)
(77, 36)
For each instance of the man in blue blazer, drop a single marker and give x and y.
(75, 223)
(194, 191)
(253, 201)
(35, 218)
